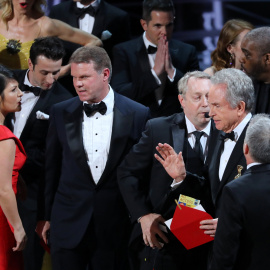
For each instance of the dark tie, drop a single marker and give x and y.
(91, 108)
(230, 136)
(82, 11)
(151, 49)
(32, 89)
(198, 147)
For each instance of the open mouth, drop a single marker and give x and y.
(23, 5)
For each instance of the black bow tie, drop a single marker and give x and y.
(230, 136)
(151, 49)
(82, 11)
(34, 90)
(91, 108)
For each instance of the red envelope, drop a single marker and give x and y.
(185, 226)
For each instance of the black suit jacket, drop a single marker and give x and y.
(242, 239)
(33, 138)
(237, 158)
(144, 183)
(73, 200)
(133, 78)
(108, 17)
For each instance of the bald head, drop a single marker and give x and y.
(256, 54)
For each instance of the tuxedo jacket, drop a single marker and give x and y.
(133, 78)
(108, 17)
(237, 158)
(33, 138)
(73, 200)
(144, 183)
(242, 240)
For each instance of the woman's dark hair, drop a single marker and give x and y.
(5, 76)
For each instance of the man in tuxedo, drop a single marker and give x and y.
(88, 137)
(256, 63)
(147, 69)
(148, 190)
(41, 91)
(242, 239)
(231, 99)
(97, 17)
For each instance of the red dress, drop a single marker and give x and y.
(10, 260)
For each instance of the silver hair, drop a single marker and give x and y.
(239, 87)
(258, 138)
(261, 39)
(182, 84)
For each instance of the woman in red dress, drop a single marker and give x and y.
(12, 158)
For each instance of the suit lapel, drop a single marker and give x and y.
(178, 133)
(214, 169)
(122, 124)
(39, 106)
(73, 124)
(173, 52)
(99, 23)
(214, 137)
(236, 155)
(73, 18)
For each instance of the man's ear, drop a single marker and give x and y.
(181, 100)
(106, 74)
(245, 149)
(143, 24)
(30, 65)
(241, 107)
(267, 58)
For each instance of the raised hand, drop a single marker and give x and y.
(159, 66)
(169, 68)
(172, 162)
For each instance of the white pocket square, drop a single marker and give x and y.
(42, 116)
(106, 35)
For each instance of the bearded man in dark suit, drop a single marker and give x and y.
(88, 137)
(147, 69)
(242, 239)
(148, 190)
(41, 91)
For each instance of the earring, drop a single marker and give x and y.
(231, 59)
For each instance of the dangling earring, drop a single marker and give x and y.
(231, 60)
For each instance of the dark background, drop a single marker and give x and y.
(199, 22)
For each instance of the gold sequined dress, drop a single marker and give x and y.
(17, 60)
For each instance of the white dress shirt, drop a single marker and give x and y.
(97, 131)
(192, 139)
(229, 145)
(86, 22)
(28, 102)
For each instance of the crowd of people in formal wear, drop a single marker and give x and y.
(101, 133)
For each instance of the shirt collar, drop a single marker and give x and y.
(191, 128)
(108, 100)
(26, 80)
(147, 42)
(95, 5)
(253, 164)
(239, 129)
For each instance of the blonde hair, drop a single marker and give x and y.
(7, 9)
